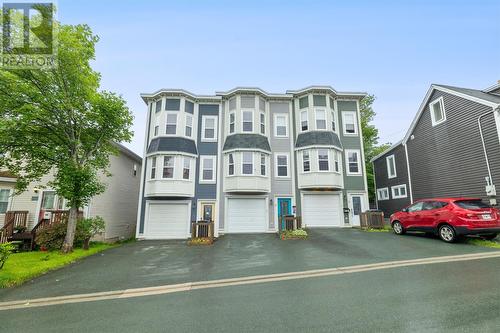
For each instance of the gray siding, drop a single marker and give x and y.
(205, 191)
(448, 159)
(381, 180)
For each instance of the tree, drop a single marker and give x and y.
(57, 120)
(370, 141)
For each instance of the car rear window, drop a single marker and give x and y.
(471, 204)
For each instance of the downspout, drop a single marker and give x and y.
(408, 169)
(482, 140)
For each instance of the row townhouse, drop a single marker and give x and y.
(244, 157)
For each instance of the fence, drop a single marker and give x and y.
(372, 220)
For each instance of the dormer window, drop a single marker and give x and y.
(438, 114)
(247, 121)
(303, 120)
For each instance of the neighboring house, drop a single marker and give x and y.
(117, 205)
(452, 149)
(244, 157)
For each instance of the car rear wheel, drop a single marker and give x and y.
(447, 233)
(398, 228)
(490, 237)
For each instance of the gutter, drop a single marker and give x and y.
(482, 140)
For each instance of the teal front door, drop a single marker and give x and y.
(284, 208)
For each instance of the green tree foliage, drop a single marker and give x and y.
(57, 120)
(370, 141)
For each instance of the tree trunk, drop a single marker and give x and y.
(70, 231)
(86, 243)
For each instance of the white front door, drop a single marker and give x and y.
(356, 204)
(246, 215)
(322, 210)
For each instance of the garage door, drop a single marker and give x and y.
(246, 215)
(167, 221)
(321, 210)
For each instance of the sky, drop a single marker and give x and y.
(392, 49)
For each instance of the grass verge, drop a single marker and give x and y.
(485, 243)
(24, 266)
(387, 228)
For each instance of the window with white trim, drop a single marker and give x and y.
(189, 125)
(303, 120)
(349, 123)
(262, 164)
(247, 121)
(262, 123)
(157, 129)
(306, 162)
(4, 200)
(320, 119)
(391, 166)
(303, 102)
(353, 162)
(281, 125)
(323, 163)
(232, 121)
(336, 161)
(187, 168)
(153, 167)
(158, 106)
(281, 165)
(334, 128)
(209, 128)
(438, 114)
(383, 194)
(230, 168)
(247, 163)
(168, 166)
(399, 191)
(207, 169)
(171, 127)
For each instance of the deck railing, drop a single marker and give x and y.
(13, 220)
(202, 229)
(56, 217)
(290, 222)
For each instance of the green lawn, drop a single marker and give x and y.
(27, 265)
(481, 242)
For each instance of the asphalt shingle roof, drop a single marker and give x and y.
(324, 138)
(247, 141)
(172, 144)
(473, 92)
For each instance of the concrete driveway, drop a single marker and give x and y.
(153, 263)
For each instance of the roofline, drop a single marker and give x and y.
(328, 88)
(146, 96)
(493, 87)
(446, 90)
(386, 151)
(128, 152)
(254, 90)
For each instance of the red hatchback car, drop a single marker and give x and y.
(449, 218)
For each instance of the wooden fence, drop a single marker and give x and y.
(290, 222)
(202, 229)
(372, 220)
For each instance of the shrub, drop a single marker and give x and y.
(52, 237)
(5, 251)
(88, 228)
(294, 234)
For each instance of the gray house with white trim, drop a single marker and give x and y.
(452, 149)
(244, 157)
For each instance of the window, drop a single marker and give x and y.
(134, 170)
(306, 163)
(333, 122)
(262, 104)
(431, 205)
(471, 204)
(247, 102)
(247, 121)
(350, 123)
(320, 119)
(262, 164)
(168, 167)
(281, 165)
(323, 160)
(172, 104)
(231, 122)
(336, 161)
(189, 125)
(158, 106)
(232, 103)
(303, 120)
(353, 162)
(383, 194)
(231, 165)
(48, 199)
(319, 100)
(209, 128)
(391, 166)
(262, 123)
(171, 124)
(188, 107)
(416, 207)
(186, 168)
(399, 191)
(207, 169)
(438, 114)
(247, 165)
(303, 102)
(4, 200)
(153, 168)
(157, 129)
(281, 125)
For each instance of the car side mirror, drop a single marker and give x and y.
(405, 210)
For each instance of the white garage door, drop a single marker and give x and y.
(167, 221)
(322, 210)
(246, 215)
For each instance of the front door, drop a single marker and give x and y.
(356, 208)
(284, 208)
(207, 211)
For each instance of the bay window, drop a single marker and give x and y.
(323, 160)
